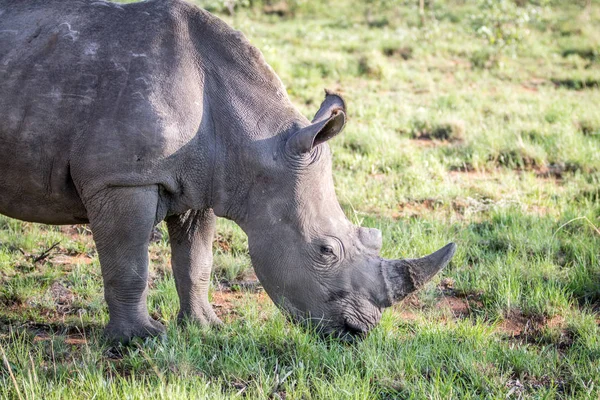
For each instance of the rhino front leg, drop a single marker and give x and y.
(122, 220)
(191, 236)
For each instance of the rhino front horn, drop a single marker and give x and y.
(403, 277)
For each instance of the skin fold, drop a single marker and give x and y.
(122, 116)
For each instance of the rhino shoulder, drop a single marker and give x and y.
(225, 47)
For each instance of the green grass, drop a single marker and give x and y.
(453, 135)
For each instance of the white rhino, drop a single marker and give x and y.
(122, 116)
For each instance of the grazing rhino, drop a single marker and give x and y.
(122, 116)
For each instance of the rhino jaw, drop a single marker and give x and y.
(402, 277)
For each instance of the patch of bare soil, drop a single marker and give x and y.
(227, 298)
(407, 315)
(531, 329)
(553, 171)
(534, 84)
(457, 305)
(415, 208)
(76, 339)
(65, 259)
(248, 282)
(223, 242)
(515, 324)
(460, 206)
(63, 298)
(427, 143)
(404, 52)
(223, 303)
(75, 232)
(460, 308)
(44, 331)
(280, 8)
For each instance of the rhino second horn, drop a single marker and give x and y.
(402, 277)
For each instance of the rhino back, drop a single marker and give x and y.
(94, 94)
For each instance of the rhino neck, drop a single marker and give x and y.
(245, 158)
(249, 128)
(248, 112)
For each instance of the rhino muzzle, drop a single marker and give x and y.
(402, 277)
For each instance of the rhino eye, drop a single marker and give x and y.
(327, 250)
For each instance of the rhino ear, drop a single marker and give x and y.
(327, 123)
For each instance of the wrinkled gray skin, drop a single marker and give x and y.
(126, 115)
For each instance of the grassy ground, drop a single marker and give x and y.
(478, 124)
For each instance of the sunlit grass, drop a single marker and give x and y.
(449, 138)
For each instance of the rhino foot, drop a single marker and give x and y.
(124, 332)
(204, 316)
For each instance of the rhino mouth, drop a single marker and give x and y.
(357, 316)
(351, 333)
(353, 317)
(347, 332)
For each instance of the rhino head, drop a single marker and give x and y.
(312, 261)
